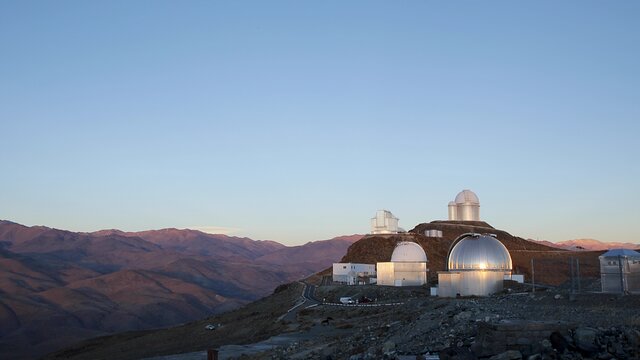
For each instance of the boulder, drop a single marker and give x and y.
(633, 338)
(558, 342)
(388, 347)
(462, 316)
(327, 352)
(508, 355)
(605, 356)
(585, 339)
(453, 353)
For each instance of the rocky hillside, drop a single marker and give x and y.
(404, 323)
(193, 242)
(551, 265)
(254, 321)
(58, 287)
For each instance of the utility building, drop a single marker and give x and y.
(433, 233)
(385, 223)
(465, 207)
(476, 264)
(408, 266)
(353, 274)
(620, 271)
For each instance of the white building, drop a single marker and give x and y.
(408, 266)
(353, 274)
(433, 233)
(385, 223)
(466, 207)
(620, 271)
(477, 265)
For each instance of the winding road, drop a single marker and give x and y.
(306, 298)
(307, 293)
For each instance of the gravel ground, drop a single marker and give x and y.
(400, 323)
(424, 325)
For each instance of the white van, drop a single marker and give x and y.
(347, 300)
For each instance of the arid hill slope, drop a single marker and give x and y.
(58, 287)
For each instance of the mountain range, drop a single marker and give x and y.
(58, 287)
(588, 244)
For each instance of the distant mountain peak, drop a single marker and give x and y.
(593, 244)
(587, 244)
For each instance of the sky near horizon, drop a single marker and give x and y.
(296, 120)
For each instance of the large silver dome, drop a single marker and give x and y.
(479, 252)
(407, 251)
(467, 197)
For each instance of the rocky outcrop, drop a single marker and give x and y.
(516, 335)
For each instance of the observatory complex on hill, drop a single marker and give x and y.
(472, 258)
(475, 264)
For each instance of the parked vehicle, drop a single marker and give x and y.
(347, 300)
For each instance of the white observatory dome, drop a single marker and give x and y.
(479, 252)
(407, 251)
(467, 197)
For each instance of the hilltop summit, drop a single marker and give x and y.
(374, 248)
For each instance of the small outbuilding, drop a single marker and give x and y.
(354, 274)
(476, 265)
(433, 233)
(408, 266)
(620, 271)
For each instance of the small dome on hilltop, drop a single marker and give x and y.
(467, 197)
(479, 252)
(465, 207)
(407, 251)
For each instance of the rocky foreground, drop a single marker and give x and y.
(513, 325)
(399, 323)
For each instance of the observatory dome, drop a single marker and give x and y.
(479, 252)
(467, 197)
(407, 251)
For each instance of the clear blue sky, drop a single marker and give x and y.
(297, 120)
